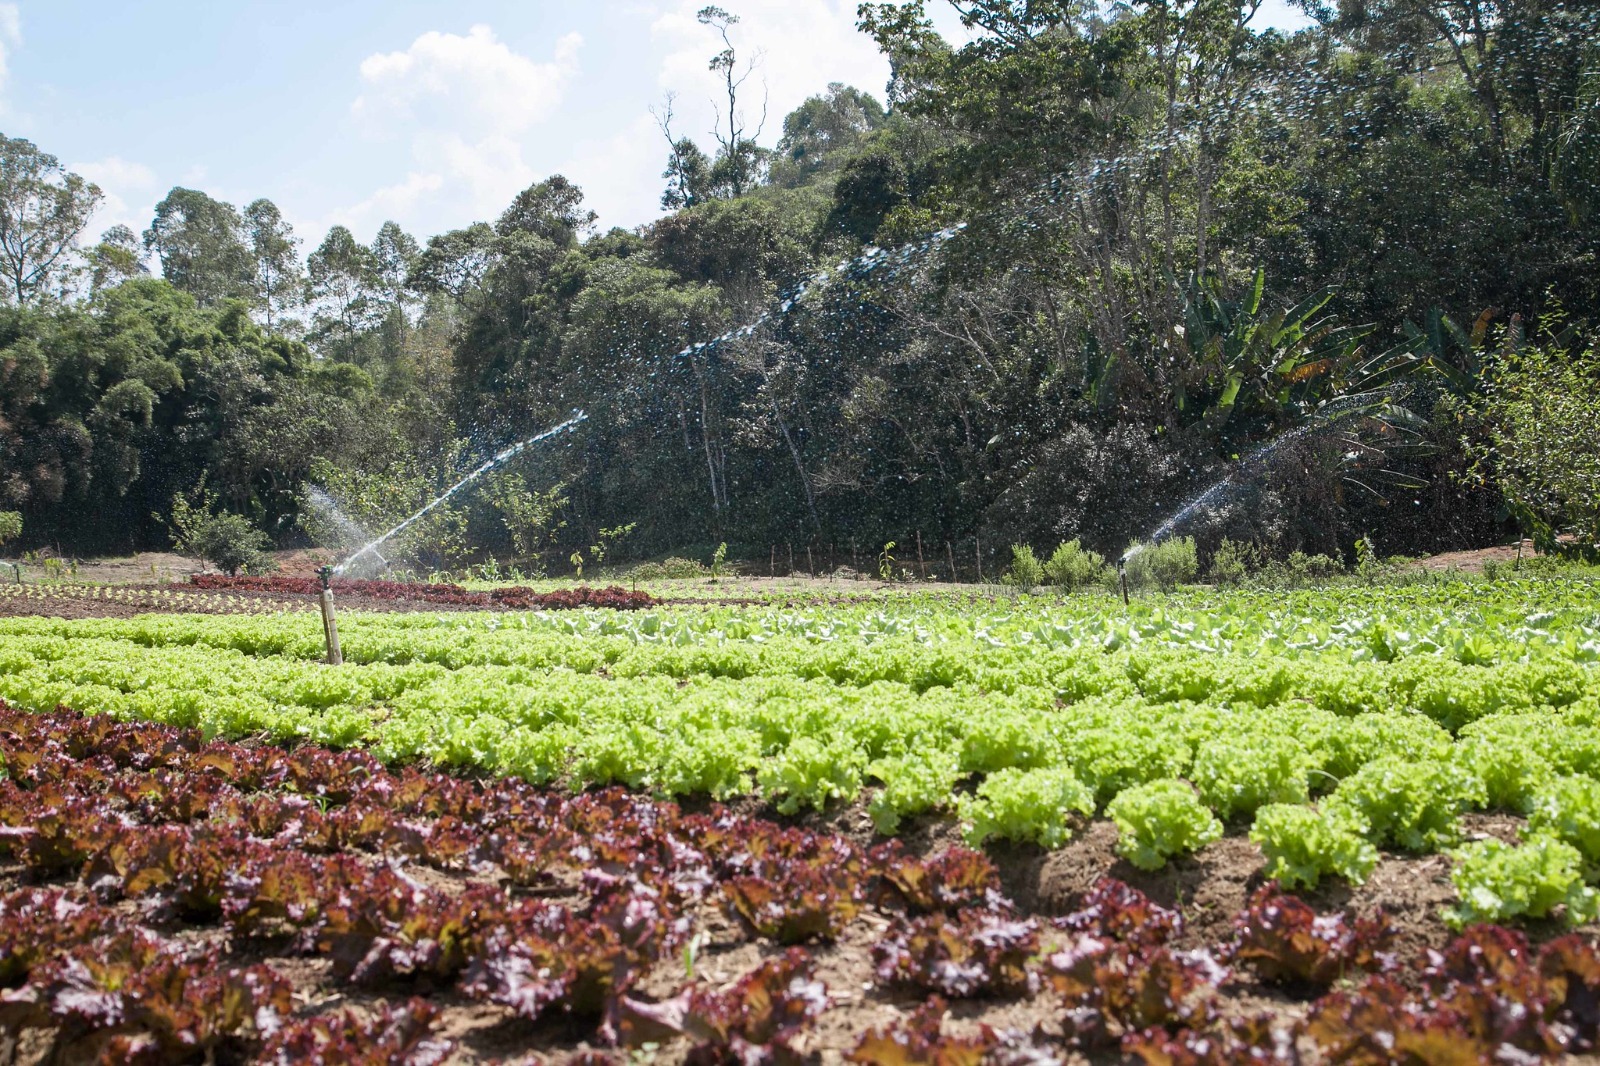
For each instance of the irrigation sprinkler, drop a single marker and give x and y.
(1122, 576)
(330, 628)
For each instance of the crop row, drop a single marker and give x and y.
(156, 598)
(516, 598)
(568, 906)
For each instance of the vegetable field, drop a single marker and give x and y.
(1206, 828)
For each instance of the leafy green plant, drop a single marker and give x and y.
(1028, 805)
(228, 541)
(717, 559)
(606, 540)
(1568, 809)
(1158, 820)
(1165, 565)
(1497, 881)
(1073, 568)
(1232, 562)
(1237, 774)
(531, 518)
(576, 559)
(1535, 437)
(10, 526)
(1025, 573)
(1303, 845)
(886, 562)
(1410, 804)
(811, 772)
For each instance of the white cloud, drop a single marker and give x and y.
(770, 31)
(131, 191)
(466, 102)
(621, 175)
(10, 38)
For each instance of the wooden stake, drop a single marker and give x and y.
(811, 564)
(772, 566)
(791, 557)
(977, 553)
(922, 566)
(950, 555)
(330, 630)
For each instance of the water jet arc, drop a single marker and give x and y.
(500, 459)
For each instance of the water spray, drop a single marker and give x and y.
(499, 460)
(330, 628)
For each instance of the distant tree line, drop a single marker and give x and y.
(1179, 238)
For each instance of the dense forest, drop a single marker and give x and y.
(1076, 270)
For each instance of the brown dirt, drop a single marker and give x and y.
(1471, 562)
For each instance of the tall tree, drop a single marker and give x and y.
(341, 283)
(116, 259)
(43, 209)
(279, 285)
(203, 247)
(740, 159)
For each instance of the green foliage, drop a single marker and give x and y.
(1568, 809)
(1537, 415)
(672, 568)
(1297, 570)
(1303, 845)
(1026, 805)
(1166, 565)
(1410, 804)
(531, 519)
(718, 558)
(1236, 775)
(1025, 573)
(1497, 882)
(811, 772)
(1158, 820)
(228, 541)
(912, 784)
(1074, 568)
(1232, 562)
(10, 526)
(886, 562)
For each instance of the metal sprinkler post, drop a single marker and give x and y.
(1122, 576)
(330, 628)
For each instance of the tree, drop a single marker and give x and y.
(455, 263)
(114, 260)
(1536, 440)
(688, 170)
(201, 531)
(819, 133)
(342, 277)
(43, 209)
(739, 162)
(203, 247)
(278, 284)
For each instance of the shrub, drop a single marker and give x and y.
(1536, 442)
(1298, 569)
(1073, 568)
(1159, 820)
(10, 526)
(1025, 573)
(1166, 564)
(228, 541)
(1232, 562)
(673, 567)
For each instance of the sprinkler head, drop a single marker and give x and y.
(326, 574)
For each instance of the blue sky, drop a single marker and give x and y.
(433, 114)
